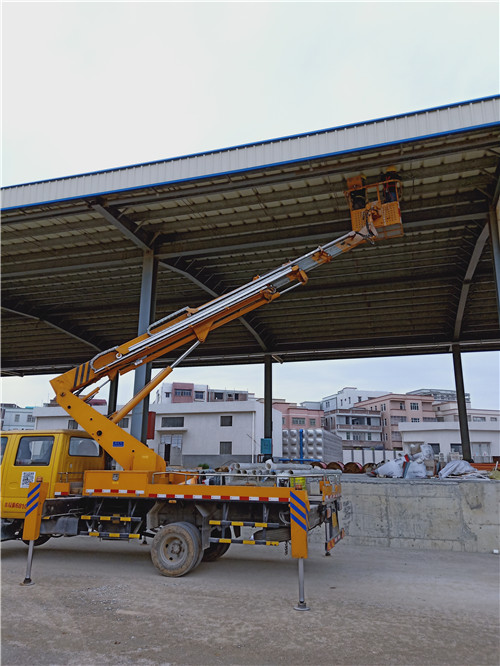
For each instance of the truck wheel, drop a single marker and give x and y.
(215, 550)
(176, 549)
(40, 541)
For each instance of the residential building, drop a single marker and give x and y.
(440, 395)
(293, 416)
(347, 397)
(396, 409)
(184, 392)
(194, 432)
(444, 433)
(357, 427)
(13, 417)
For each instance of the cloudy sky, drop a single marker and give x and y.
(93, 85)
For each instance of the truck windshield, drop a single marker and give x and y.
(34, 450)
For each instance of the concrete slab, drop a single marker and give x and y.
(104, 603)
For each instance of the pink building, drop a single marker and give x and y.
(297, 416)
(396, 408)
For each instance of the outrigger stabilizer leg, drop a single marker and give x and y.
(301, 606)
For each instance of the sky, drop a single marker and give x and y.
(94, 85)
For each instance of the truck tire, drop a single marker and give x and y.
(176, 549)
(215, 550)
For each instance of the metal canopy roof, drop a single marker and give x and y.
(73, 247)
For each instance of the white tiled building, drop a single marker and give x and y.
(16, 418)
(194, 432)
(444, 434)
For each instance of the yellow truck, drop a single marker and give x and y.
(191, 515)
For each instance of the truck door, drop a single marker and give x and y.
(30, 457)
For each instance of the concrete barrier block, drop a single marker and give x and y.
(480, 502)
(427, 544)
(428, 513)
(423, 518)
(482, 539)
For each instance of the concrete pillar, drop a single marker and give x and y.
(268, 396)
(462, 408)
(146, 314)
(495, 246)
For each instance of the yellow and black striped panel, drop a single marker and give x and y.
(242, 523)
(111, 535)
(247, 542)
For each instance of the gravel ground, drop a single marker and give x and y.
(104, 603)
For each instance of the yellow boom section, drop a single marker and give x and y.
(192, 325)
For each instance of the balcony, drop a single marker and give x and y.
(368, 428)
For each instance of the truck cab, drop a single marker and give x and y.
(58, 457)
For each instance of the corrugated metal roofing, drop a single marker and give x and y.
(314, 145)
(72, 250)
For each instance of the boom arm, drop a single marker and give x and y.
(182, 327)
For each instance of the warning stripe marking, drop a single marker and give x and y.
(224, 498)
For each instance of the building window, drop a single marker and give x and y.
(30, 418)
(72, 425)
(356, 437)
(185, 393)
(456, 448)
(369, 436)
(298, 421)
(403, 406)
(435, 448)
(283, 421)
(385, 422)
(172, 422)
(327, 403)
(312, 422)
(199, 395)
(382, 407)
(218, 396)
(225, 448)
(417, 420)
(398, 419)
(124, 422)
(236, 396)
(493, 418)
(167, 394)
(16, 418)
(414, 406)
(479, 418)
(396, 436)
(348, 435)
(226, 420)
(429, 419)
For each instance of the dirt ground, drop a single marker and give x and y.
(104, 603)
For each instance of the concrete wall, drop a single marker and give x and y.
(421, 514)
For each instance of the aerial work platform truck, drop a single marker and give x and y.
(59, 483)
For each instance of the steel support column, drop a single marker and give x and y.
(268, 396)
(146, 315)
(462, 408)
(495, 246)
